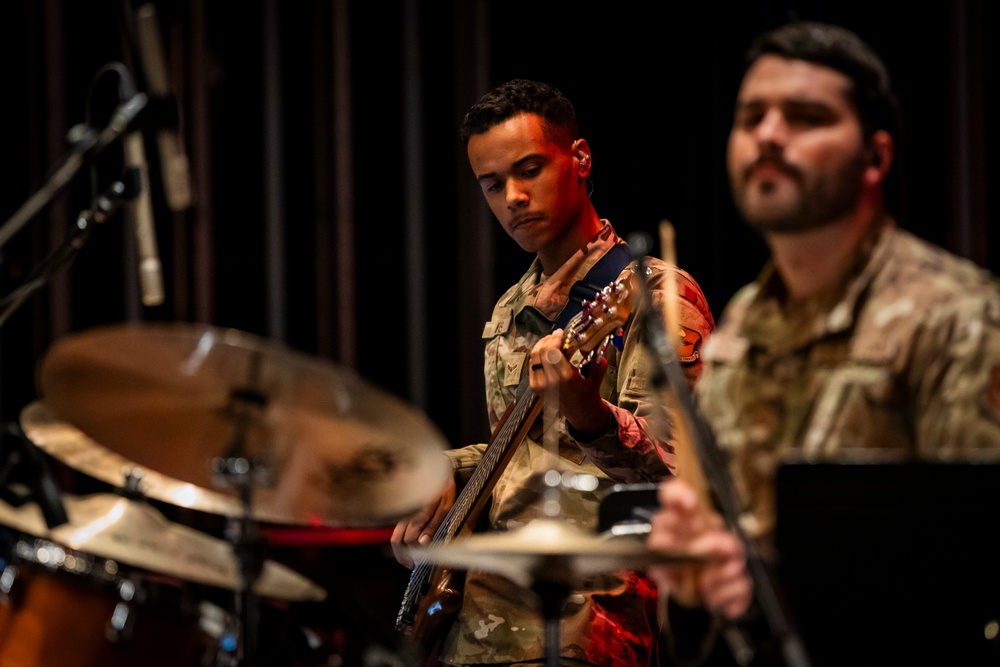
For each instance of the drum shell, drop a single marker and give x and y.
(55, 617)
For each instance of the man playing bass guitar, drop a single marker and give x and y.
(523, 147)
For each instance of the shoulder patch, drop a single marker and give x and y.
(687, 348)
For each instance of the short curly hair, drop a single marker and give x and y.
(519, 96)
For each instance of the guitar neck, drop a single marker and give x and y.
(511, 430)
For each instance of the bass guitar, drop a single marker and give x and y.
(434, 594)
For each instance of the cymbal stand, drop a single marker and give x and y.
(553, 593)
(552, 576)
(236, 470)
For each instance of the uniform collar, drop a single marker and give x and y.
(772, 319)
(551, 293)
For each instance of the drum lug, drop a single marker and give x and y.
(122, 622)
(7, 581)
(219, 624)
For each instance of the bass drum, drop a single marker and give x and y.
(62, 608)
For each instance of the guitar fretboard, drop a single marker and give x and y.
(482, 480)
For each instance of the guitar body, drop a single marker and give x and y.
(435, 613)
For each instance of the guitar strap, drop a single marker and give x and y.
(599, 277)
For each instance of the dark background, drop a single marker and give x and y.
(334, 209)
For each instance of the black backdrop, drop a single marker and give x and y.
(334, 209)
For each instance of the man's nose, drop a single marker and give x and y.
(516, 195)
(772, 130)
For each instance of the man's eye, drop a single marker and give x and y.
(748, 119)
(808, 118)
(531, 170)
(493, 186)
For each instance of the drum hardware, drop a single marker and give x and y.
(55, 557)
(249, 430)
(205, 406)
(126, 531)
(223, 627)
(123, 619)
(547, 555)
(136, 535)
(24, 476)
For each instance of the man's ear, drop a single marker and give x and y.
(581, 153)
(881, 150)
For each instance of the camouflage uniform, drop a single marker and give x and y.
(900, 359)
(609, 620)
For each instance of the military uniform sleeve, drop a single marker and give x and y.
(639, 445)
(956, 371)
(464, 461)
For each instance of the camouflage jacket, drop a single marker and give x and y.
(610, 619)
(900, 360)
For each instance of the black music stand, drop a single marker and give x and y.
(891, 563)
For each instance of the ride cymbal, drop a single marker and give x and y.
(184, 400)
(68, 444)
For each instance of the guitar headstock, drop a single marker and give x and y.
(600, 321)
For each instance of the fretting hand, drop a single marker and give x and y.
(578, 397)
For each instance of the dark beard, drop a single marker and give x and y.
(821, 204)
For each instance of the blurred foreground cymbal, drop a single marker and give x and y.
(68, 444)
(326, 447)
(546, 550)
(135, 533)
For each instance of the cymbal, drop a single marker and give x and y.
(68, 444)
(326, 447)
(135, 533)
(545, 549)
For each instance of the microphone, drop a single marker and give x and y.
(150, 271)
(173, 161)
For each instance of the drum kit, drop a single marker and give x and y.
(209, 421)
(182, 417)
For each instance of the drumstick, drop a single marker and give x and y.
(688, 467)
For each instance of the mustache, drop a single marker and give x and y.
(524, 217)
(776, 163)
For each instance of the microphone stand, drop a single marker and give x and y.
(88, 143)
(106, 203)
(667, 372)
